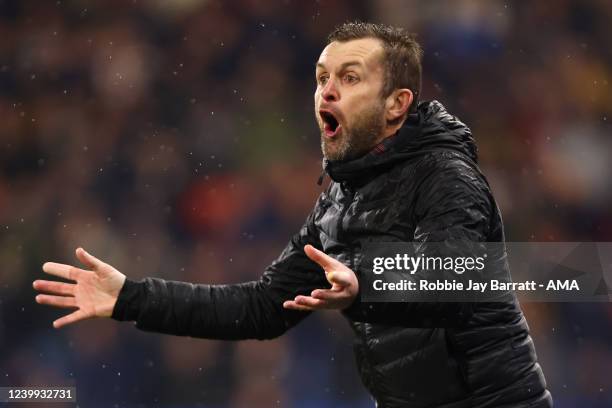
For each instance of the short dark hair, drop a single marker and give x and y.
(402, 53)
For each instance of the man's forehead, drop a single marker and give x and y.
(368, 51)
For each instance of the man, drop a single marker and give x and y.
(400, 170)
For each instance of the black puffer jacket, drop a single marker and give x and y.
(420, 185)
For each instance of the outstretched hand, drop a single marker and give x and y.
(343, 280)
(93, 295)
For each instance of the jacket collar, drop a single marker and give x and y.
(430, 128)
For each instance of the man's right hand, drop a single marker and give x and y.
(94, 294)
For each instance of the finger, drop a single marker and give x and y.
(87, 259)
(58, 301)
(290, 304)
(329, 294)
(69, 319)
(58, 288)
(319, 257)
(311, 302)
(61, 270)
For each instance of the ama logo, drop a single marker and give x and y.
(559, 284)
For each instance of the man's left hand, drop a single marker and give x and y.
(343, 280)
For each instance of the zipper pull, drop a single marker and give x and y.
(321, 177)
(325, 164)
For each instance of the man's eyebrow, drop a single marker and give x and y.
(343, 65)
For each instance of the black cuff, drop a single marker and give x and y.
(128, 303)
(355, 311)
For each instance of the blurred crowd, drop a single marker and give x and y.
(176, 139)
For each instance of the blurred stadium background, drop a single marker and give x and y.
(176, 138)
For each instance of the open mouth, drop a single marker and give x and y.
(331, 126)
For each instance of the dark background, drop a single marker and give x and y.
(177, 139)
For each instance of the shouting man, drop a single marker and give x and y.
(400, 170)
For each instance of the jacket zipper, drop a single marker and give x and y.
(351, 259)
(347, 204)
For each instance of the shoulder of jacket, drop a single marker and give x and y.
(445, 168)
(447, 162)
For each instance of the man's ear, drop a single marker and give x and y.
(397, 104)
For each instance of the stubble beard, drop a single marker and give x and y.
(357, 139)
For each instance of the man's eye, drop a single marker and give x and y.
(350, 78)
(323, 79)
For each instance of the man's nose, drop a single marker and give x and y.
(330, 92)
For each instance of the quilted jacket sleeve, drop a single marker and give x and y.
(230, 312)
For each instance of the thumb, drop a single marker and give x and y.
(340, 278)
(87, 259)
(319, 257)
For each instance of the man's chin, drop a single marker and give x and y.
(338, 149)
(332, 148)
